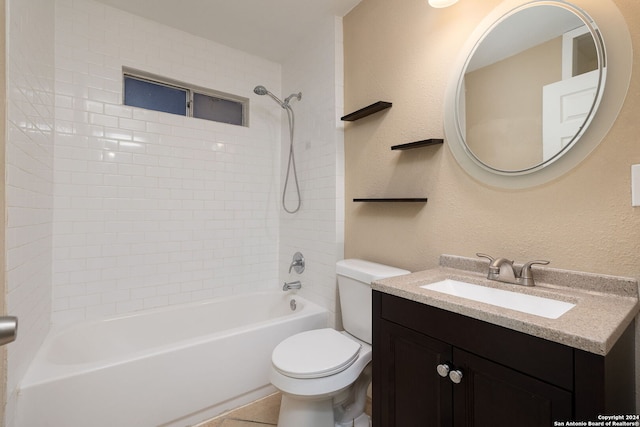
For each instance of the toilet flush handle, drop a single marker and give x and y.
(8, 329)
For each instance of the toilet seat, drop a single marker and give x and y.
(315, 354)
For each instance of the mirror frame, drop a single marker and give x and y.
(611, 27)
(602, 69)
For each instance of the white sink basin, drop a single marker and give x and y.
(539, 306)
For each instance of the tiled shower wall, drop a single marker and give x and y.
(153, 209)
(29, 179)
(317, 229)
(135, 209)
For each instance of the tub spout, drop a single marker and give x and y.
(292, 285)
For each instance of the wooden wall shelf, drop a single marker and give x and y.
(418, 144)
(366, 111)
(372, 109)
(394, 199)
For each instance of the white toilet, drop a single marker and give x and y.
(324, 374)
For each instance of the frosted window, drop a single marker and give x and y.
(217, 109)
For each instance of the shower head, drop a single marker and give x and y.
(261, 90)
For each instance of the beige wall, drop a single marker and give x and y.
(404, 52)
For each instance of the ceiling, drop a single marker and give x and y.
(267, 28)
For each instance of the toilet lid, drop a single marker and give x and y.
(315, 354)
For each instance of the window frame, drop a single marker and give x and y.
(190, 89)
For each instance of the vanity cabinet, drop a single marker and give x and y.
(507, 377)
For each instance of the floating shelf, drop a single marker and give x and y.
(418, 144)
(366, 111)
(394, 199)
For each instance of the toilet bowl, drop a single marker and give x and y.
(324, 374)
(328, 365)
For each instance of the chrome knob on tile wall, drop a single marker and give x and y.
(8, 329)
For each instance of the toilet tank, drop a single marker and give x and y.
(354, 286)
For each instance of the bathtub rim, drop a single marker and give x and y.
(43, 371)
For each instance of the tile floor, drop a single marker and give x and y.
(262, 412)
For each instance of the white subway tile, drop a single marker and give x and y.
(177, 202)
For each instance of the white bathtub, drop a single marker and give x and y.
(168, 367)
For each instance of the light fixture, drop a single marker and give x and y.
(441, 3)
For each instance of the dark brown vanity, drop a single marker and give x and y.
(433, 366)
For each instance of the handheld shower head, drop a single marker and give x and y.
(291, 164)
(260, 90)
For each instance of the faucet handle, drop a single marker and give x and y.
(297, 263)
(494, 270)
(489, 257)
(526, 275)
(492, 267)
(526, 269)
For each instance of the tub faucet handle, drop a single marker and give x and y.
(297, 263)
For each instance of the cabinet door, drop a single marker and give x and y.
(493, 395)
(408, 392)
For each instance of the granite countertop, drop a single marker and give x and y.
(604, 305)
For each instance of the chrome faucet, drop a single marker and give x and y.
(502, 270)
(292, 285)
(297, 263)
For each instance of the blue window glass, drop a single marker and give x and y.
(217, 109)
(154, 96)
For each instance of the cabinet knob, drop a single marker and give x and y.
(443, 370)
(456, 376)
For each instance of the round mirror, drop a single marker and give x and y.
(530, 87)
(521, 106)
